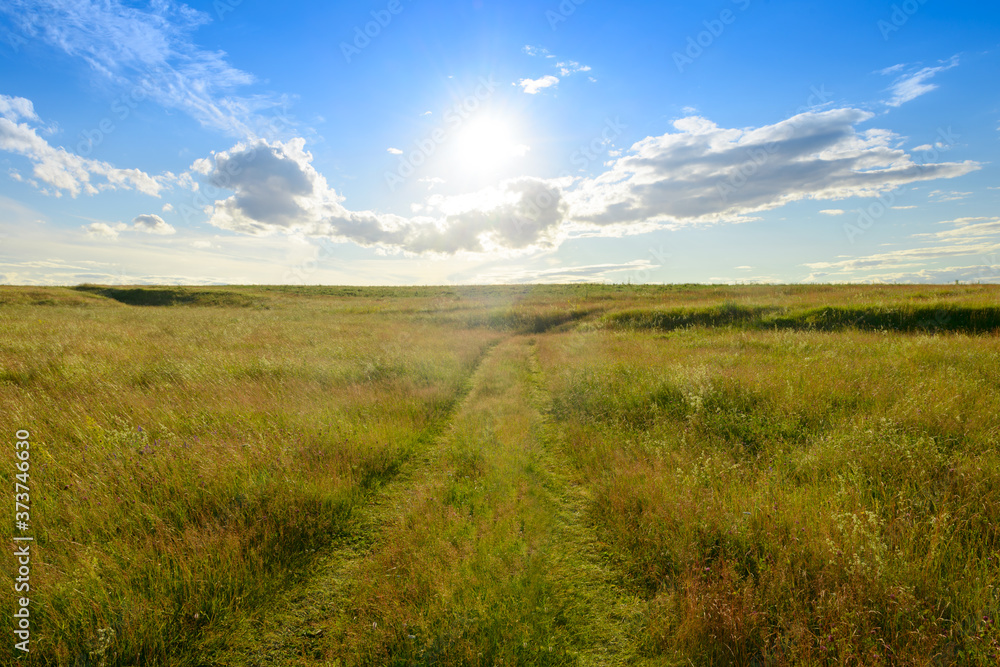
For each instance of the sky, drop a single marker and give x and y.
(395, 142)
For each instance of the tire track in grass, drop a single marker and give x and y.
(616, 615)
(491, 561)
(477, 553)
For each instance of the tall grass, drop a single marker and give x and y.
(794, 497)
(188, 463)
(773, 475)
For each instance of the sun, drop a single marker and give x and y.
(486, 144)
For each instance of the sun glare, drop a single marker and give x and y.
(486, 144)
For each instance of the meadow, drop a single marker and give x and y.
(532, 475)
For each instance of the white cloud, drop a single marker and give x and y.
(967, 229)
(700, 173)
(910, 257)
(57, 167)
(535, 50)
(168, 208)
(705, 173)
(947, 195)
(571, 67)
(15, 109)
(534, 86)
(105, 230)
(892, 70)
(965, 237)
(432, 181)
(276, 189)
(201, 244)
(591, 273)
(833, 211)
(923, 148)
(395, 151)
(152, 224)
(148, 47)
(911, 86)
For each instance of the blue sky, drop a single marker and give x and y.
(405, 142)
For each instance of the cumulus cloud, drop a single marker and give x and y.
(911, 86)
(833, 211)
(152, 224)
(57, 167)
(395, 151)
(15, 109)
(534, 86)
(704, 173)
(149, 224)
(105, 230)
(277, 189)
(699, 173)
(150, 47)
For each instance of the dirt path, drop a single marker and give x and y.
(479, 552)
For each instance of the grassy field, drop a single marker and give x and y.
(578, 475)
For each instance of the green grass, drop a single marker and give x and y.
(507, 475)
(942, 317)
